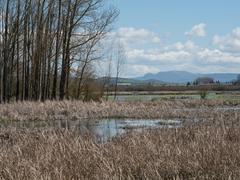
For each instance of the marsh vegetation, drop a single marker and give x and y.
(206, 146)
(64, 114)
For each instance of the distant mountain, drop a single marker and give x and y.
(129, 81)
(184, 77)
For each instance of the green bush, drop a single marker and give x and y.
(203, 94)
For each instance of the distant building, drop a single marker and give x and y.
(204, 81)
(124, 84)
(237, 82)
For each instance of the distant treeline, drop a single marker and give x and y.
(47, 46)
(210, 87)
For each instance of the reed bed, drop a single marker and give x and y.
(54, 110)
(206, 151)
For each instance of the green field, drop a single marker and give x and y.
(131, 96)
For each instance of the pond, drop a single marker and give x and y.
(102, 129)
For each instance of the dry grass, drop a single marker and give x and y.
(203, 152)
(79, 110)
(207, 150)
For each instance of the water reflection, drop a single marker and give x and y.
(103, 129)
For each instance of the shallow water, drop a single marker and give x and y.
(103, 129)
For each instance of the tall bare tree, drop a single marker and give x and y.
(120, 59)
(40, 41)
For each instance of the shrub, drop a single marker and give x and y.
(203, 94)
(93, 91)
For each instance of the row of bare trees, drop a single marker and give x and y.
(47, 46)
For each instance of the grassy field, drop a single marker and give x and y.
(152, 96)
(207, 149)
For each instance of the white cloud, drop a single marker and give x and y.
(158, 55)
(154, 56)
(189, 45)
(182, 56)
(132, 36)
(217, 56)
(229, 42)
(175, 53)
(139, 70)
(197, 31)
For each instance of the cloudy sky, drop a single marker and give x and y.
(196, 36)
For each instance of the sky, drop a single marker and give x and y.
(184, 35)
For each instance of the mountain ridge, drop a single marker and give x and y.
(185, 76)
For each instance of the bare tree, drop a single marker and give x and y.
(57, 49)
(120, 59)
(40, 41)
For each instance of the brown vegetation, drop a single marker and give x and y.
(209, 149)
(202, 152)
(53, 110)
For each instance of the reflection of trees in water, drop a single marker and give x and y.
(65, 124)
(102, 129)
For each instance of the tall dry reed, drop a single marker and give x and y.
(53, 110)
(208, 149)
(194, 152)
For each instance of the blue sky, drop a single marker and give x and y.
(196, 36)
